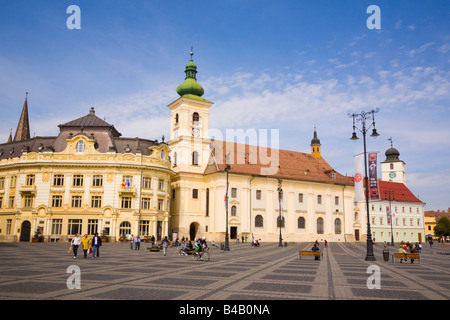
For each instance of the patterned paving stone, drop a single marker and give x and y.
(39, 271)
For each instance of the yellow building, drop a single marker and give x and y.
(88, 179)
(430, 223)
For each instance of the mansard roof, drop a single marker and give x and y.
(107, 139)
(89, 121)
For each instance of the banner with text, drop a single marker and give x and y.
(373, 177)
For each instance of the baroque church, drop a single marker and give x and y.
(90, 179)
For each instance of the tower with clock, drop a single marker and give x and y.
(393, 169)
(189, 124)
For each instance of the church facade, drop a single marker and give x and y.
(89, 179)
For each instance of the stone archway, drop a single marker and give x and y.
(193, 230)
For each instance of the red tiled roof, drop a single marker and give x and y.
(398, 191)
(292, 165)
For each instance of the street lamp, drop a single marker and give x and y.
(280, 198)
(363, 117)
(391, 198)
(227, 169)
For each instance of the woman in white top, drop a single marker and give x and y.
(76, 241)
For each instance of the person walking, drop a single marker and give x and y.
(96, 244)
(131, 242)
(86, 241)
(76, 241)
(165, 244)
(137, 243)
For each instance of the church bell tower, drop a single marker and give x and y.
(189, 125)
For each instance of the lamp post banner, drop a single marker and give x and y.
(359, 187)
(388, 214)
(373, 177)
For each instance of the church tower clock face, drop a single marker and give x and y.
(392, 175)
(195, 132)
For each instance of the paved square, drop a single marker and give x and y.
(39, 271)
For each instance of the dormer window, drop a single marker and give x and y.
(80, 147)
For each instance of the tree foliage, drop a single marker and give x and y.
(442, 227)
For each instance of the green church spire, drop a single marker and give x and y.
(190, 88)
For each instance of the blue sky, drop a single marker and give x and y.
(288, 65)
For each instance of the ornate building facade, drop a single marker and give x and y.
(90, 179)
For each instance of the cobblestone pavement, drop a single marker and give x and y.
(39, 271)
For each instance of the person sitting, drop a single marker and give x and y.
(182, 249)
(402, 249)
(256, 243)
(315, 248)
(414, 250)
(214, 244)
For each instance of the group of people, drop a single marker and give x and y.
(92, 245)
(200, 244)
(409, 248)
(136, 241)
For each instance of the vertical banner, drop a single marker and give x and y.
(388, 214)
(373, 177)
(359, 187)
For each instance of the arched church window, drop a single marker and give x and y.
(337, 226)
(320, 226)
(259, 221)
(233, 211)
(195, 117)
(301, 223)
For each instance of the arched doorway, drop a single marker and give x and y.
(25, 231)
(193, 229)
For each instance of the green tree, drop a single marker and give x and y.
(442, 227)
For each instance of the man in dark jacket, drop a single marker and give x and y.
(96, 244)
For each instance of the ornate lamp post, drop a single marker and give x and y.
(227, 169)
(280, 217)
(363, 117)
(390, 193)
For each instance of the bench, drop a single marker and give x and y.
(405, 256)
(310, 253)
(154, 249)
